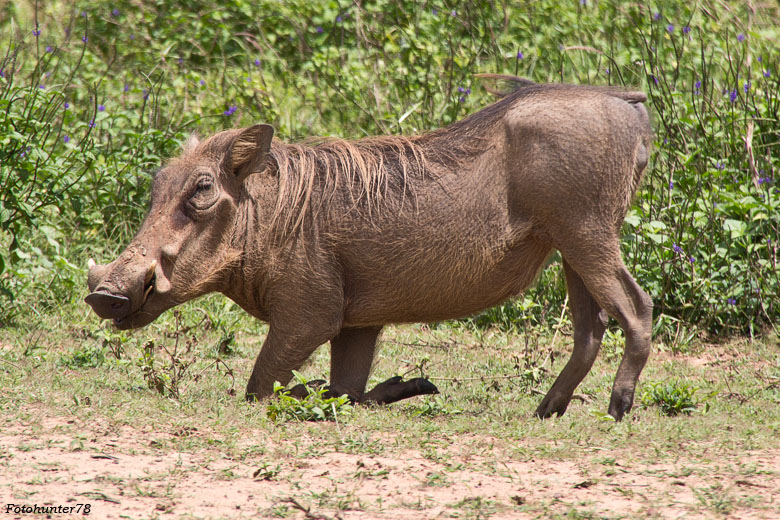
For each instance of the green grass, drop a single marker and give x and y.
(702, 238)
(482, 417)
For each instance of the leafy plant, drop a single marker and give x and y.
(87, 356)
(673, 398)
(314, 407)
(433, 406)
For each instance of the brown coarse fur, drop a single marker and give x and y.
(331, 239)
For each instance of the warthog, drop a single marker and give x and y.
(330, 239)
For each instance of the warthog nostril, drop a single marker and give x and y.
(107, 305)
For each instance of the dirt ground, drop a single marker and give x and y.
(125, 473)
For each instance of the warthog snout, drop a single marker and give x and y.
(108, 306)
(119, 291)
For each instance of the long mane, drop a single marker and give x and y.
(375, 173)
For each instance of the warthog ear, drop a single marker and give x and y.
(249, 151)
(191, 143)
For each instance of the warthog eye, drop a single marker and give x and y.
(204, 184)
(204, 195)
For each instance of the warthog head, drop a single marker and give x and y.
(187, 242)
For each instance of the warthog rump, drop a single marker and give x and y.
(330, 240)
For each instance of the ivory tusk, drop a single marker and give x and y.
(90, 263)
(150, 272)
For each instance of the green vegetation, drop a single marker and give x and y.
(673, 398)
(95, 96)
(316, 406)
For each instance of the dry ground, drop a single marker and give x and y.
(127, 473)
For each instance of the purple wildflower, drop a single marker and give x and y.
(83, 14)
(248, 79)
(146, 94)
(732, 301)
(655, 80)
(42, 87)
(520, 55)
(746, 87)
(92, 123)
(741, 37)
(320, 30)
(101, 108)
(132, 36)
(606, 71)
(733, 95)
(84, 38)
(462, 99)
(686, 29)
(767, 73)
(66, 105)
(180, 61)
(230, 111)
(202, 83)
(677, 249)
(759, 58)
(434, 11)
(692, 260)
(115, 12)
(66, 139)
(671, 183)
(657, 16)
(454, 13)
(584, 2)
(670, 28)
(126, 88)
(48, 48)
(2, 74)
(720, 166)
(257, 63)
(36, 32)
(339, 19)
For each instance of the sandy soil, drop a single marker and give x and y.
(125, 473)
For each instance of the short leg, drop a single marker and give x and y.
(589, 325)
(612, 287)
(351, 357)
(635, 314)
(280, 355)
(395, 389)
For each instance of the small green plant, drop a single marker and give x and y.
(433, 407)
(87, 356)
(674, 398)
(314, 407)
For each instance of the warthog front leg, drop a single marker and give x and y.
(396, 389)
(351, 356)
(390, 391)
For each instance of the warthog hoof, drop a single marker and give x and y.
(390, 391)
(396, 389)
(620, 404)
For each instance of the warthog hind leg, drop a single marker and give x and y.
(600, 268)
(590, 322)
